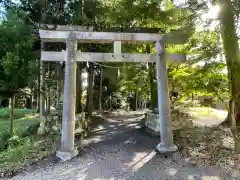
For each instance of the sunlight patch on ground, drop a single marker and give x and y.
(172, 171)
(134, 125)
(130, 141)
(207, 111)
(75, 169)
(31, 116)
(97, 139)
(228, 142)
(206, 116)
(100, 127)
(81, 177)
(210, 178)
(204, 178)
(140, 159)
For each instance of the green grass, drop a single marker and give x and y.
(23, 123)
(23, 118)
(18, 113)
(29, 147)
(19, 124)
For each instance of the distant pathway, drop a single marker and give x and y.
(120, 150)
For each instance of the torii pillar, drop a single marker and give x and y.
(166, 144)
(68, 150)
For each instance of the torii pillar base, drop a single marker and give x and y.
(163, 149)
(66, 155)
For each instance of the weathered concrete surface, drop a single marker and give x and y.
(67, 149)
(120, 150)
(110, 57)
(96, 37)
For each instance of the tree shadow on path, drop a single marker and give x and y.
(121, 149)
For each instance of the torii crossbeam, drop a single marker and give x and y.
(71, 56)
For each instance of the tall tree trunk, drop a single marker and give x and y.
(33, 101)
(29, 102)
(11, 113)
(79, 89)
(42, 96)
(232, 54)
(42, 87)
(100, 91)
(48, 99)
(136, 101)
(151, 80)
(39, 87)
(48, 103)
(58, 94)
(38, 102)
(58, 89)
(90, 90)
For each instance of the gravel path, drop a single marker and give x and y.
(120, 150)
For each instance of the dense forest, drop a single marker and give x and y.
(129, 85)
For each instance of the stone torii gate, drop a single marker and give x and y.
(72, 36)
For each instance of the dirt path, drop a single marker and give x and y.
(121, 150)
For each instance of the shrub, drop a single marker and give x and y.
(14, 141)
(27, 129)
(33, 128)
(46, 128)
(18, 153)
(4, 136)
(83, 124)
(41, 130)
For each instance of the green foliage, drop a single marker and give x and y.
(209, 80)
(203, 46)
(4, 136)
(13, 141)
(14, 154)
(32, 129)
(28, 149)
(28, 129)
(25, 124)
(16, 52)
(134, 79)
(83, 125)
